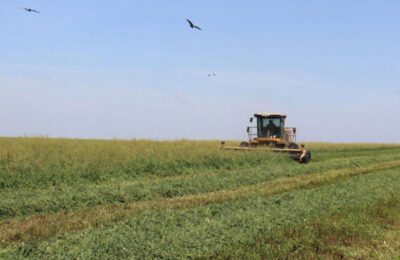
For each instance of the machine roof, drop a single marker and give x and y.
(279, 115)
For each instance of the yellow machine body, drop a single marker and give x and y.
(270, 133)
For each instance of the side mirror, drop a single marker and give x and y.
(248, 129)
(251, 120)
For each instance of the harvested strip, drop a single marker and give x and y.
(217, 172)
(25, 203)
(360, 232)
(40, 227)
(229, 227)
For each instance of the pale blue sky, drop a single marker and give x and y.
(114, 69)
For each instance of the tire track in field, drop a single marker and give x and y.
(41, 227)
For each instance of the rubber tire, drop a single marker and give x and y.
(307, 157)
(293, 146)
(279, 146)
(294, 155)
(244, 144)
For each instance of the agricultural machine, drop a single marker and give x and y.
(272, 135)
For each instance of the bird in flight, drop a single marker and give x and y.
(192, 25)
(213, 74)
(30, 10)
(180, 96)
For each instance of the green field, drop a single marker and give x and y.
(90, 199)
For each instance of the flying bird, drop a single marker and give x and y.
(30, 10)
(180, 96)
(192, 25)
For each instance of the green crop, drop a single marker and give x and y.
(228, 229)
(113, 199)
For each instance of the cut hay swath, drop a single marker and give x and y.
(60, 196)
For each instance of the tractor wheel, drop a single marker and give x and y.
(244, 144)
(307, 157)
(294, 155)
(278, 146)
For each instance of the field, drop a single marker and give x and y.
(89, 199)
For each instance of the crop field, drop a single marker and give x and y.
(114, 199)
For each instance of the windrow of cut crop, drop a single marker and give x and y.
(25, 202)
(40, 227)
(362, 232)
(231, 229)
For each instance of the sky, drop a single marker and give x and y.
(135, 69)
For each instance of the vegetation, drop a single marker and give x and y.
(64, 198)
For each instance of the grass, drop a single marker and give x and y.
(45, 226)
(25, 202)
(66, 198)
(360, 232)
(43, 162)
(234, 228)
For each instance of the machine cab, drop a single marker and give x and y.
(270, 125)
(271, 129)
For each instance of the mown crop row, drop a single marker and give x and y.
(25, 202)
(364, 232)
(83, 199)
(233, 228)
(40, 227)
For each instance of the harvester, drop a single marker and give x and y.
(272, 135)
